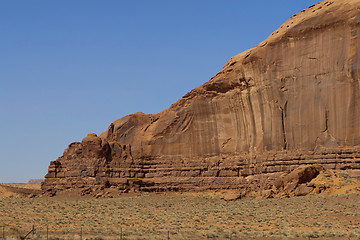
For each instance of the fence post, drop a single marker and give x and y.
(168, 235)
(3, 231)
(47, 232)
(120, 233)
(81, 233)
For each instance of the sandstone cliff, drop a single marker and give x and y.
(291, 100)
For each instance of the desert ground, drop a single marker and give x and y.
(176, 216)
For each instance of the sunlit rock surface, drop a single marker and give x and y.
(291, 100)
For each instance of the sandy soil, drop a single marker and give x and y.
(182, 216)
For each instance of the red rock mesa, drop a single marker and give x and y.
(292, 100)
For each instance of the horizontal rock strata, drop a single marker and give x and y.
(292, 100)
(76, 170)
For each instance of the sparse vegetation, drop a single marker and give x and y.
(185, 216)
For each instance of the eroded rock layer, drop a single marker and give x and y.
(291, 100)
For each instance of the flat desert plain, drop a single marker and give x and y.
(176, 216)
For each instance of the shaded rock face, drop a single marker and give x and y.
(291, 100)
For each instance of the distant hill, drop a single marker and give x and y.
(35, 181)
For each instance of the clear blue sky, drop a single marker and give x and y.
(68, 68)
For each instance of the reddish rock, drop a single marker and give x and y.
(231, 196)
(303, 174)
(292, 100)
(295, 182)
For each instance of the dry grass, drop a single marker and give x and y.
(186, 216)
(18, 190)
(35, 186)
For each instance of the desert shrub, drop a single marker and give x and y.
(344, 174)
(314, 234)
(211, 235)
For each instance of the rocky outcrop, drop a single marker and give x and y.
(291, 100)
(90, 162)
(296, 183)
(308, 180)
(35, 181)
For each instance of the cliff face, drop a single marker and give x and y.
(291, 100)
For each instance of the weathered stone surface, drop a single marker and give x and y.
(231, 196)
(297, 177)
(295, 182)
(292, 100)
(308, 180)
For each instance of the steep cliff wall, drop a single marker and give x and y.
(291, 100)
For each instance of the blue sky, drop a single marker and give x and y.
(68, 68)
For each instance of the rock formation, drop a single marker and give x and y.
(292, 100)
(35, 181)
(297, 183)
(309, 180)
(304, 180)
